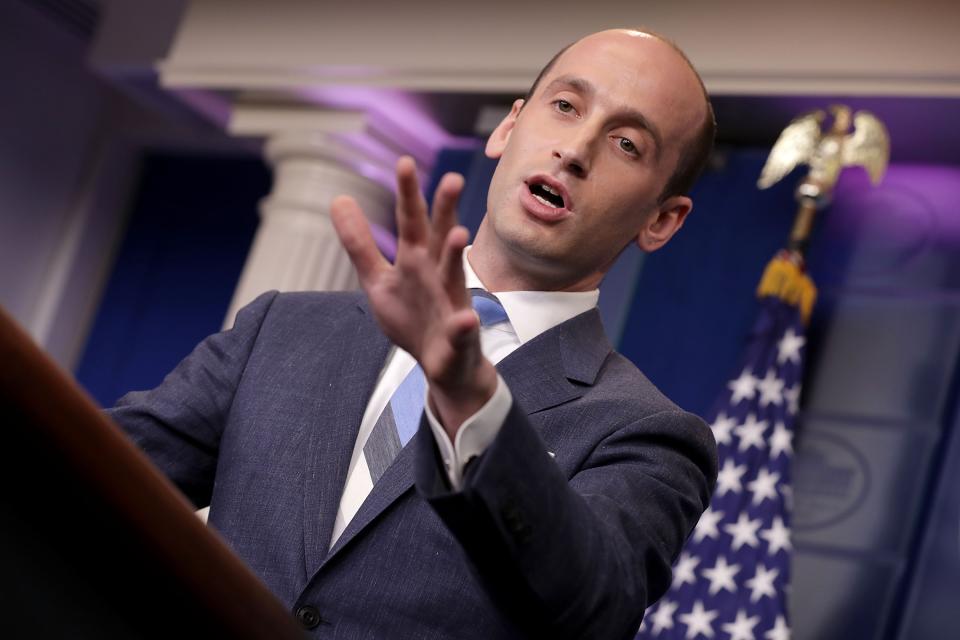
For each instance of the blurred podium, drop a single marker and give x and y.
(94, 541)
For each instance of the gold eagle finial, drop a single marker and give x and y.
(828, 153)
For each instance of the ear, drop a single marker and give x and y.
(664, 222)
(497, 141)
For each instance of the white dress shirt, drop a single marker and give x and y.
(530, 313)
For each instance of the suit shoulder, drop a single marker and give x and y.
(315, 299)
(293, 311)
(635, 392)
(315, 304)
(620, 377)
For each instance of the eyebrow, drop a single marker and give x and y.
(632, 116)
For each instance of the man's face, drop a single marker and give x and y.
(583, 162)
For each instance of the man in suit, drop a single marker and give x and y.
(549, 485)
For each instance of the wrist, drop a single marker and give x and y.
(454, 404)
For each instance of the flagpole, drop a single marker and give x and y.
(802, 226)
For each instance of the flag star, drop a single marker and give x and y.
(721, 428)
(780, 630)
(751, 433)
(662, 618)
(721, 576)
(744, 387)
(792, 396)
(742, 627)
(744, 532)
(698, 621)
(729, 477)
(771, 389)
(788, 349)
(764, 486)
(707, 526)
(777, 536)
(761, 584)
(684, 571)
(781, 441)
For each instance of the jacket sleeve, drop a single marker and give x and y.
(579, 557)
(178, 424)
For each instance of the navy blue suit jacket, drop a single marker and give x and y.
(260, 422)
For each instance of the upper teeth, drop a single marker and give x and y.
(549, 190)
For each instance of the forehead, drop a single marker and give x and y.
(638, 71)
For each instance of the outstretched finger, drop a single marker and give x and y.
(444, 211)
(412, 226)
(462, 328)
(354, 232)
(451, 267)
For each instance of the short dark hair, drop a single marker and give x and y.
(695, 153)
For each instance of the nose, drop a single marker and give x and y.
(574, 154)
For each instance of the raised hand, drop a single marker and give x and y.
(420, 301)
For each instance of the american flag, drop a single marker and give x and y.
(730, 581)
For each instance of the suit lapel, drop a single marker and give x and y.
(553, 368)
(348, 374)
(550, 370)
(395, 481)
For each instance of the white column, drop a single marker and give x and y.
(296, 247)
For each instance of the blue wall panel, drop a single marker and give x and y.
(859, 485)
(842, 596)
(880, 387)
(931, 602)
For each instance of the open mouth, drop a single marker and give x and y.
(547, 195)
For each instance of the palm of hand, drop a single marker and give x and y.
(421, 302)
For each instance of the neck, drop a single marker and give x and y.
(505, 269)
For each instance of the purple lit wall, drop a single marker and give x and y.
(903, 234)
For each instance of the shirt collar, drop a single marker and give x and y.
(533, 312)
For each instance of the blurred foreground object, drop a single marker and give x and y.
(96, 543)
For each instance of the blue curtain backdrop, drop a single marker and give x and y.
(188, 233)
(691, 310)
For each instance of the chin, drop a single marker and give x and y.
(529, 239)
(533, 246)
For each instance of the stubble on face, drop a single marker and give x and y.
(614, 194)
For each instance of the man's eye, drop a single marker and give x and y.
(564, 106)
(627, 145)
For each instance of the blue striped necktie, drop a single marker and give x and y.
(401, 417)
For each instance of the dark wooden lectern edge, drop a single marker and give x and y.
(101, 454)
